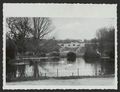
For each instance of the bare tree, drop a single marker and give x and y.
(23, 27)
(41, 27)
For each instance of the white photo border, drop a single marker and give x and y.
(57, 10)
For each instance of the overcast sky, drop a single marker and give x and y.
(71, 21)
(79, 28)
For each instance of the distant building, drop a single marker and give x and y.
(72, 44)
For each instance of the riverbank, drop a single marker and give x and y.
(57, 78)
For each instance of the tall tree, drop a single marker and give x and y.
(19, 29)
(41, 27)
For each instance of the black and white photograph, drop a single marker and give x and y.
(59, 46)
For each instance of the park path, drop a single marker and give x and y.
(84, 81)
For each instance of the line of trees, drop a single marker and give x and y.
(21, 28)
(23, 33)
(104, 43)
(106, 40)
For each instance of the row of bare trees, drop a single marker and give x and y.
(20, 28)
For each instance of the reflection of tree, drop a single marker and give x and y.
(21, 69)
(108, 66)
(91, 60)
(36, 71)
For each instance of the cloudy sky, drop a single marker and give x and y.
(71, 21)
(79, 28)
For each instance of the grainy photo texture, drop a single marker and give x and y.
(69, 51)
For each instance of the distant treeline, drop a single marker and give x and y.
(68, 41)
(104, 44)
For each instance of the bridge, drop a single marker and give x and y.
(76, 48)
(79, 51)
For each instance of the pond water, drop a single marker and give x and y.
(80, 67)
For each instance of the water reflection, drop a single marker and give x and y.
(81, 67)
